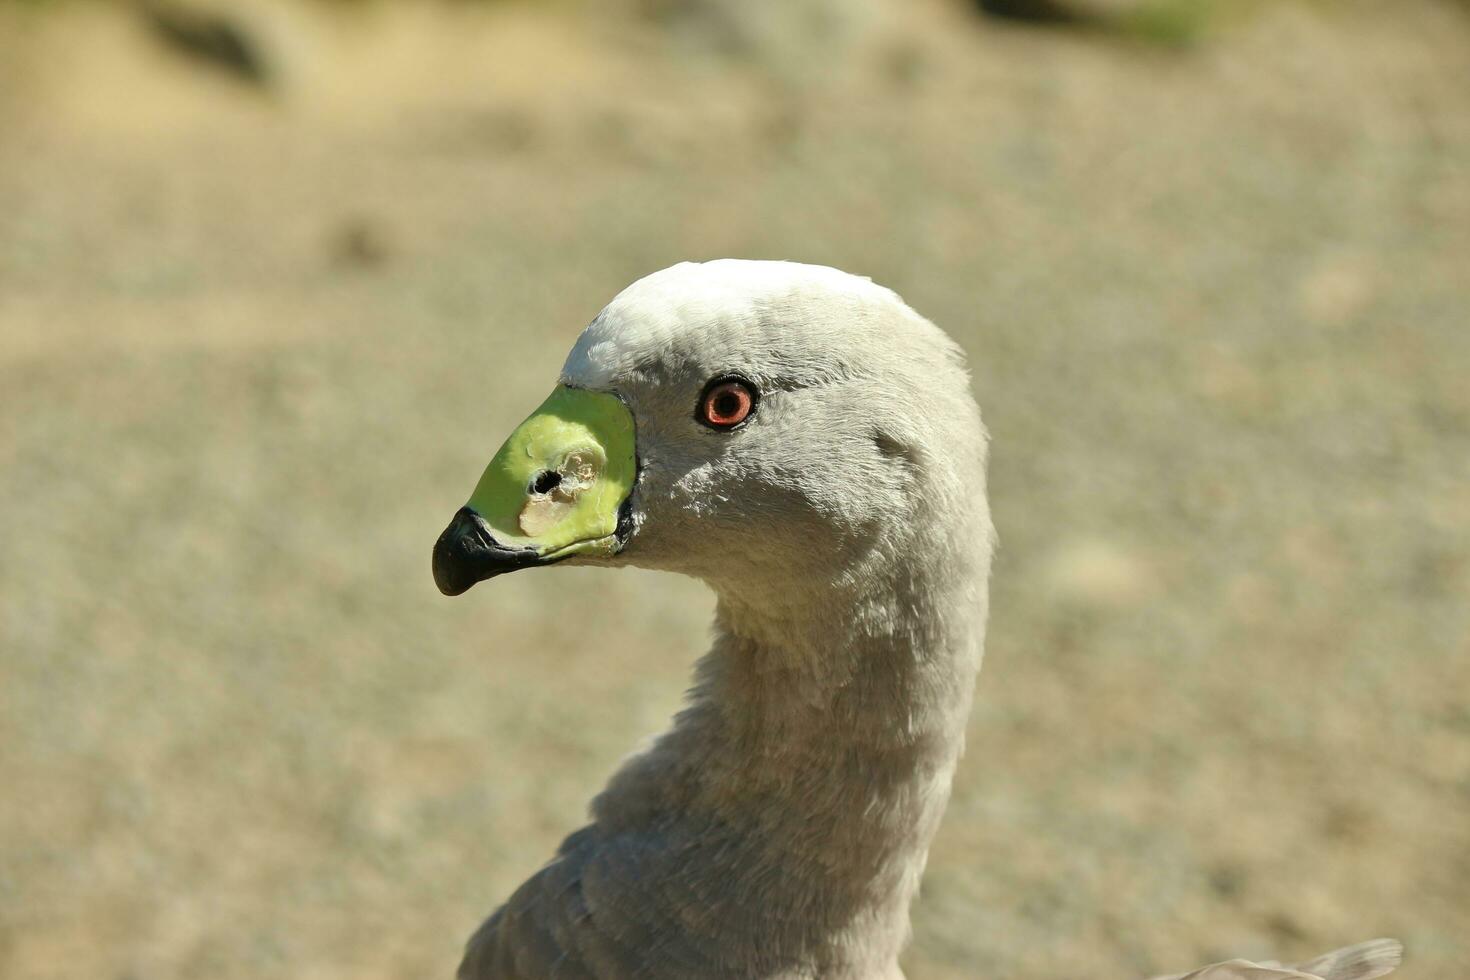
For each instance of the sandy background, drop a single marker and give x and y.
(258, 339)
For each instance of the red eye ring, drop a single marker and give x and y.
(726, 403)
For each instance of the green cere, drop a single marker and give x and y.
(557, 483)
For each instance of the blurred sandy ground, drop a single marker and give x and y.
(256, 343)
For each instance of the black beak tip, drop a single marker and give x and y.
(467, 553)
(448, 576)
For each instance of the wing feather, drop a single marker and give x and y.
(1365, 961)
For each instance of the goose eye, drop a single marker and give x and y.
(726, 403)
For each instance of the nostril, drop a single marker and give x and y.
(546, 481)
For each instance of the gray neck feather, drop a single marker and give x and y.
(807, 774)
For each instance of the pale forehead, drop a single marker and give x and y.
(728, 307)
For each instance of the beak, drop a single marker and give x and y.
(554, 491)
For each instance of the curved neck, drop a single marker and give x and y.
(814, 758)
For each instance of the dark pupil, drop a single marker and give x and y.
(546, 481)
(727, 404)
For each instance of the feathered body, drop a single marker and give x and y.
(778, 831)
(780, 828)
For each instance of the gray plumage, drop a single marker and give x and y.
(1365, 961)
(780, 827)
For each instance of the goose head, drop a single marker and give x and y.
(768, 427)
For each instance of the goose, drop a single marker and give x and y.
(803, 442)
